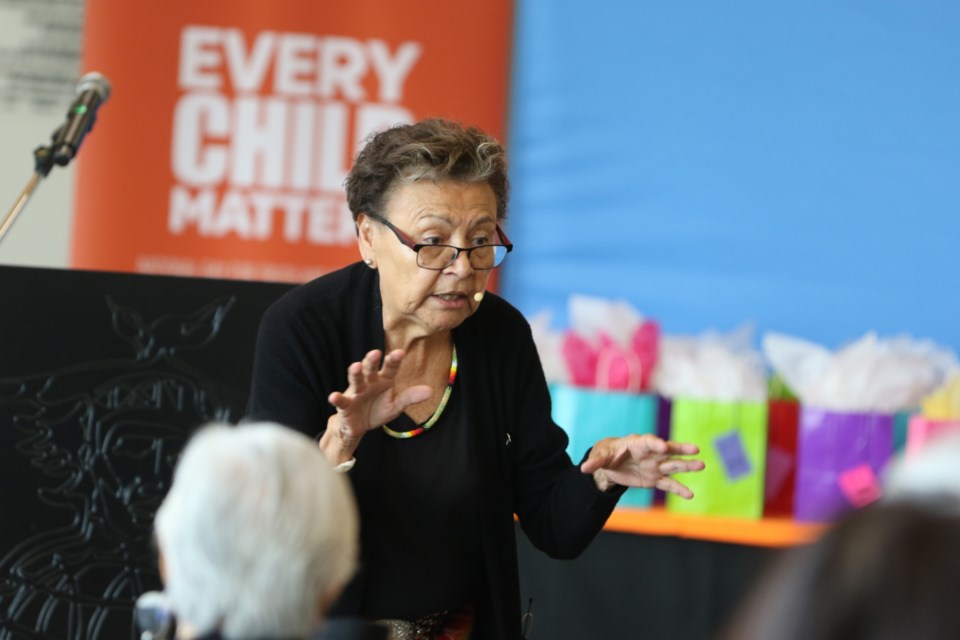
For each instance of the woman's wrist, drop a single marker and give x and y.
(338, 445)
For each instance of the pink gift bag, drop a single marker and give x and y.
(920, 431)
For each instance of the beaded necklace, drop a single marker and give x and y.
(432, 420)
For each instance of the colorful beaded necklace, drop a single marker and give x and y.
(436, 414)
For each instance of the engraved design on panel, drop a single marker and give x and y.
(102, 438)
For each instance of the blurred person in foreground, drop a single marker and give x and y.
(256, 537)
(887, 571)
(427, 389)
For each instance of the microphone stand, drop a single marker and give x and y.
(43, 161)
(92, 91)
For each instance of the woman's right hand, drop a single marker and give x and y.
(369, 401)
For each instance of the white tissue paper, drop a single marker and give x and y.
(869, 375)
(592, 317)
(711, 366)
(549, 345)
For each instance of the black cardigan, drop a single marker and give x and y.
(308, 338)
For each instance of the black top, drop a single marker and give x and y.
(307, 340)
(421, 524)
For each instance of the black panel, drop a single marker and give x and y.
(102, 378)
(630, 587)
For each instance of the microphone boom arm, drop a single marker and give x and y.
(43, 162)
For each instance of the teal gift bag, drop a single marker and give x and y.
(901, 419)
(589, 415)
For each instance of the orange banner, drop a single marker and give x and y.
(231, 126)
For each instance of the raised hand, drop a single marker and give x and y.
(369, 401)
(641, 461)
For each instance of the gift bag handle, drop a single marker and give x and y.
(634, 368)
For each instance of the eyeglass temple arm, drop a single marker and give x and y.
(504, 238)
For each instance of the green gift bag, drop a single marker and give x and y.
(589, 415)
(732, 437)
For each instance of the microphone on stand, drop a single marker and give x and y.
(92, 91)
(153, 616)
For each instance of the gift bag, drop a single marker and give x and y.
(840, 458)
(589, 415)
(901, 426)
(663, 432)
(922, 430)
(780, 477)
(732, 436)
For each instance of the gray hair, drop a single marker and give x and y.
(256, 529)
(932, 471)
(436, 149)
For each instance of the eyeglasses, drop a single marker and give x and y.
(441, 256)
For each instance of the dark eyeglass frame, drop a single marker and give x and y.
(407, 241)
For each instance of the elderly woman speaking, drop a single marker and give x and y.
(428, 390)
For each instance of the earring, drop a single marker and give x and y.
(368, 262)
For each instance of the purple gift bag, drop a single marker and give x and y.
(840, 456)
(663, 431)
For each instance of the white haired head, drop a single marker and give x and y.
(931, 472)
(256, 531)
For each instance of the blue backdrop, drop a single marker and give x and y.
(794, 165)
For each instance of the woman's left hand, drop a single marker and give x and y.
(641, 461)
